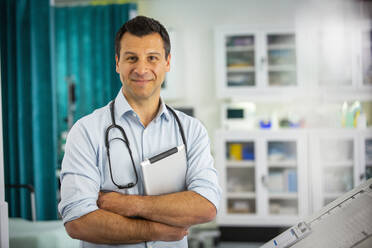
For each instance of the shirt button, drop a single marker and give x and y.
(134, 114)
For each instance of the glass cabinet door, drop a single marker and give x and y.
(281, 56)
(337, 165)
(240, 59)
(283, 177)
(366, 58)
(240, 177)
(335, 58)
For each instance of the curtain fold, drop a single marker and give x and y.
(28, 116)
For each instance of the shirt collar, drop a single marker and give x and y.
(163, 111)
(122, 107)
(121, 104)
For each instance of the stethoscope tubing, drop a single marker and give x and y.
(126, 141)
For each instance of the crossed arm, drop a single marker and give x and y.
(165, 217)
(162, 218)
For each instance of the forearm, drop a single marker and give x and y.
(178, 209)
(181, 209)
(105, 227)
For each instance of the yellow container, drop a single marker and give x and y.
(236, 151)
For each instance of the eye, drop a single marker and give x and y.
(131, 59)
(153, 58)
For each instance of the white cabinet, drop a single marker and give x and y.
(263, 175)
(273, 178)
(249, 61)
(344, 62)
(333, 63)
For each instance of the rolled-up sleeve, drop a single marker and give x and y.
(201, 175)
(80, 177)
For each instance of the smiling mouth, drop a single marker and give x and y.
(141, 81)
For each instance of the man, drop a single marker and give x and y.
(125, 216)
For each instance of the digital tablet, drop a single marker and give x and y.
(166, 172)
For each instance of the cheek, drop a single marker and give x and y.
(160, 70)
(125, 73)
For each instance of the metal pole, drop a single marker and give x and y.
(33, 206)
(71, 101)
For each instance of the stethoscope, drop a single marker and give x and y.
(126, 141)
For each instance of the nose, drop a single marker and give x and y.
(141, 68)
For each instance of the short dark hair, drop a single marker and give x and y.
(141, 26)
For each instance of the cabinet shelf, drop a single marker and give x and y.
(283, 196)
(281, 47)
(279, 68)
(240, 48)
(241, 195)
(240, 164)
(282, 164)
(241, 69)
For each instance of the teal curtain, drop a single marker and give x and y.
(84, 51)
(28, 100)
(40, 47)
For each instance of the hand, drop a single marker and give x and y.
(116, 203)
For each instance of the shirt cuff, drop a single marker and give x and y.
(79, 209)
(210, 194)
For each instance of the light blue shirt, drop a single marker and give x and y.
(85, 169)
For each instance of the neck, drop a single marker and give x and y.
(146, 109)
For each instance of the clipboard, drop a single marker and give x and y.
(165, 173)
(343, 223)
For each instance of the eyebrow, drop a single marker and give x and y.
(151, 53)
(154, 53)
(129, 53)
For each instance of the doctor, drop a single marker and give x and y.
(102, 219)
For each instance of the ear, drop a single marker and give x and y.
(117, 63)
(168, 62)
